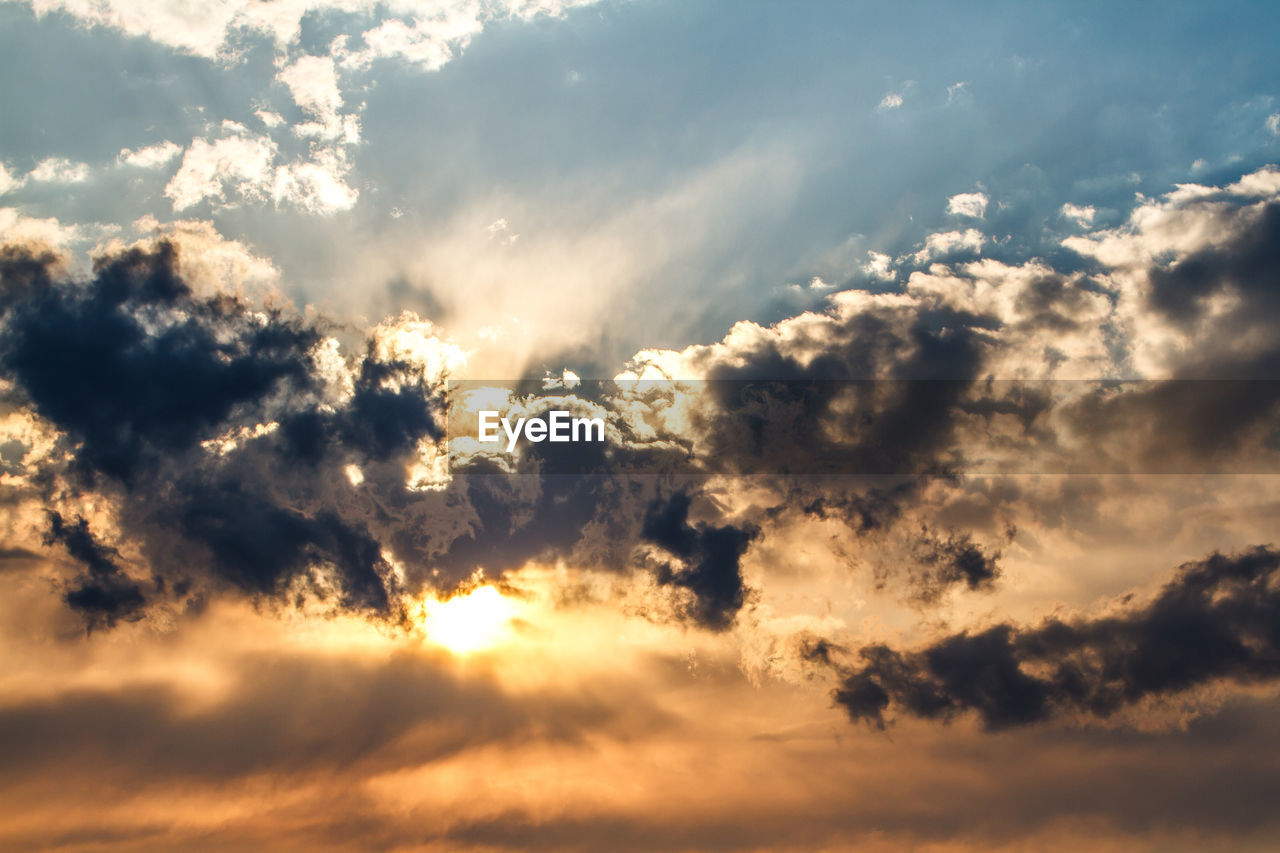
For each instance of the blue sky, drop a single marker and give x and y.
(790, 138)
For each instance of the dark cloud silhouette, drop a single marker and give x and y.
(711, 557)
(870, 509)
(953, 560)
(378, 423)
(134, 366)
(104, 594)
(137, 370)
(260, 546)
(1218, 619)
(830, 414)
(1247, 262)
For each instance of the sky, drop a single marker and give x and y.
(934, 347)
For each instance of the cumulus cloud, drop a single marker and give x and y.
(240, 166)
(151, 156)
(879, 266)
(1081, 215)
(59, 170)
(8, 181)
(313, 83)
(18, 228)
(238, 163)
(711, 558)
(104, 594)
(941, 244)
(1188, 271)
(973, 205)
(139, 400)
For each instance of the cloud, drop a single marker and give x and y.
(891, 101)
(1188, 271)
(711, 559)
(428, 42)
(973, 205)
(8, 182)
(1273, 123)
(247, 413)
(317, 186)
(879, 266)
(238, 163)
(18, 228)
(150, 157)
(941, 244)
(59, 170)
(427, 35)
(1081, 215)
(241, 167)
(313, 83)
(1214, 621)
(105, 595)
(139, 372)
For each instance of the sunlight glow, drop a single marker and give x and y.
(476, 620)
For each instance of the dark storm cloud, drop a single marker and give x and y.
(259, 546)
(91, 360)
(952, 560)
(776, 412)
(711, 556)
(874, 504)
(137, 370)
(1218, 619)
(105, 594)
(1248, 262)
(378, 423)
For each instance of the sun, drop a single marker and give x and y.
(476, 620)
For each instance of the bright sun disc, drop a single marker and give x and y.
(467, 623)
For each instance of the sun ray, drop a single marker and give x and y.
(470, 622)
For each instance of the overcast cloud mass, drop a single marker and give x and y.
(936, 352)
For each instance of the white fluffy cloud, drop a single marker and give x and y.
(973, 205)
(8, 181)
(313, 83)
(891, 101)
(945, 242)
(59, 170)
(1081, 215)
(238, 164)
(17, 228)
(879, 266)
(427, 33)
(316, 185)
(151, 156)
(206, 259)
